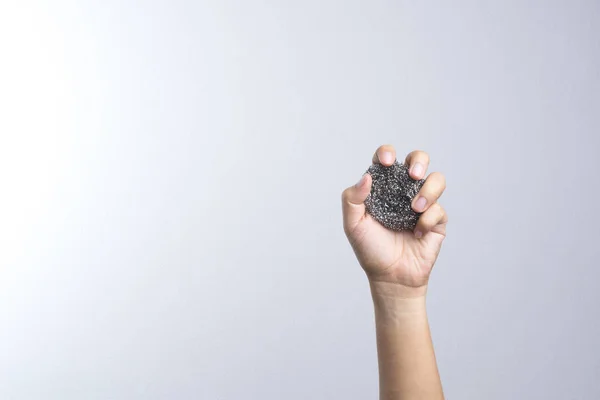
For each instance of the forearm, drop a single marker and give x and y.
(407, 365)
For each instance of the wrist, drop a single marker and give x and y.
(397, 305)
(397, 291)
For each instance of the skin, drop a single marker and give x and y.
(398, 266)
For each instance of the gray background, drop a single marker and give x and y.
(171, 173)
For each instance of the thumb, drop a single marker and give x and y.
(353, 202)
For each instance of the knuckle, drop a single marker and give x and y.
(421, 155)
(438, 176)
(345, 194)
(385, 147)
(440, 211)
(436, 208)
(439, 179)
(443, 214)
(434, 212)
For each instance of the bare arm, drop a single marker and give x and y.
(407, 365)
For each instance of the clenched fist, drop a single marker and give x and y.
(401, 258)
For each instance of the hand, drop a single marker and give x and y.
(403, 258)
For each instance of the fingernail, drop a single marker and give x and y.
(386, 157)
(420, 203)
(361, 181)
(417, 170)
(418, 234)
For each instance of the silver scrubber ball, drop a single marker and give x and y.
(391, 196)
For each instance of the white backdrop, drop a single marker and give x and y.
(170, 174)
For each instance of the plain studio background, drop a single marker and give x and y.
(170, 223)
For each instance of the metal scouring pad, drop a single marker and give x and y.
(391, 196)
